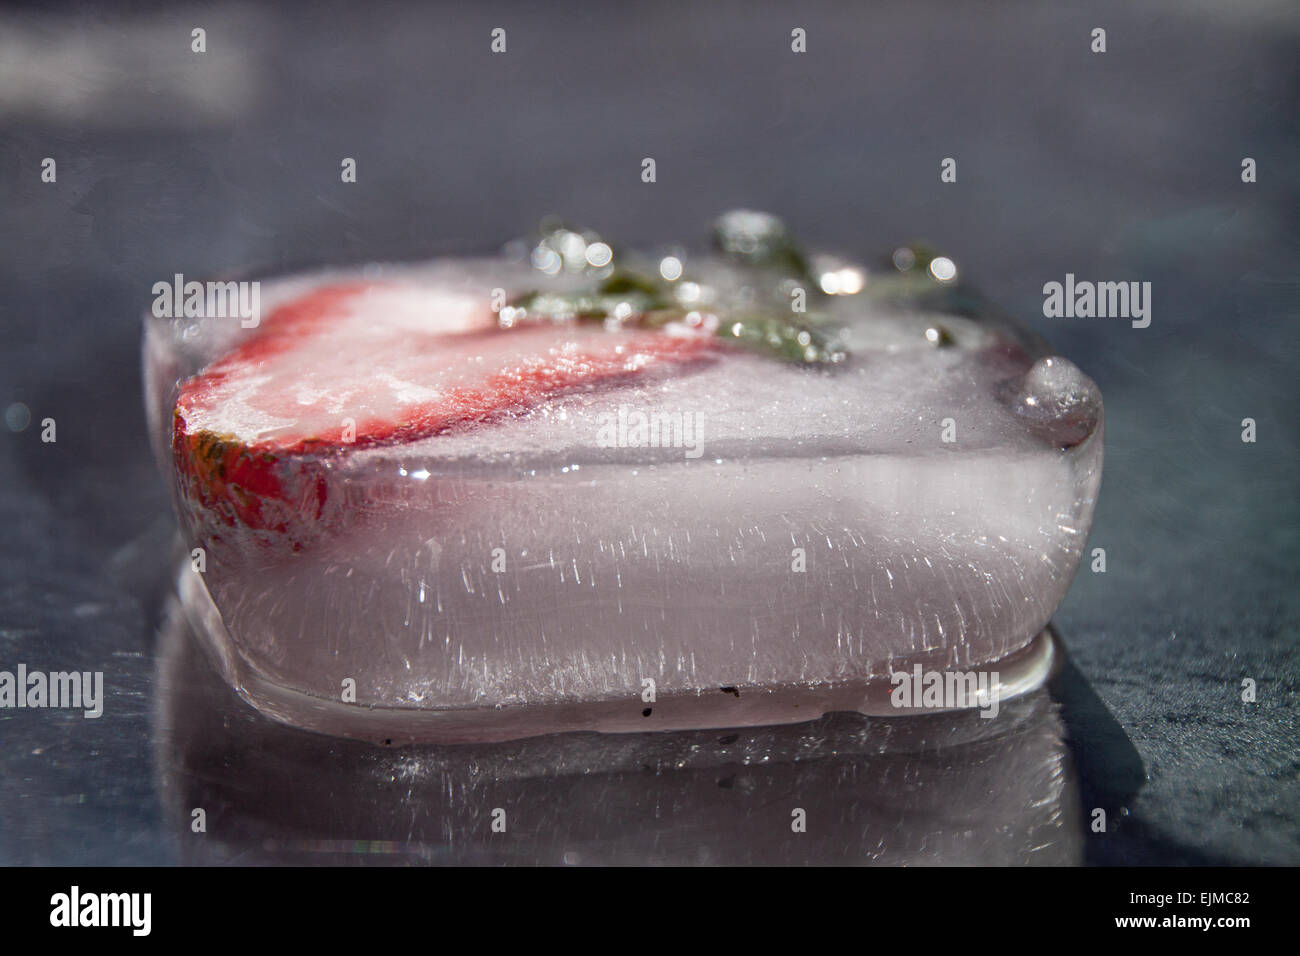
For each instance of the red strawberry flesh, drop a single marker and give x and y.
(358, 365)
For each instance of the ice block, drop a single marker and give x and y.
(577, 488)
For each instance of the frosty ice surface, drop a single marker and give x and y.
(485, 499)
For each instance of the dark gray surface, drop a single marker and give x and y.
(1116, 166)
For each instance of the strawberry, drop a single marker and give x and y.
(360, 365)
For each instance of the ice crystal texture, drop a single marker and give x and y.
(924, 500)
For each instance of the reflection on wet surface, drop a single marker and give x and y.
(937, 789)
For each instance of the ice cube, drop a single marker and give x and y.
(417, 522)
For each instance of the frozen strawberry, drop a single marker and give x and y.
(356, 365)
(639, 470)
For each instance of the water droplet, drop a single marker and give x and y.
(670, 267)
(599, 254)
(1059, 402)
(943, 268)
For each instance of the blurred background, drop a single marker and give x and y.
(1123, 165)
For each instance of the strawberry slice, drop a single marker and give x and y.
(358, 365)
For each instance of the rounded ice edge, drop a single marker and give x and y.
(1020, 673)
